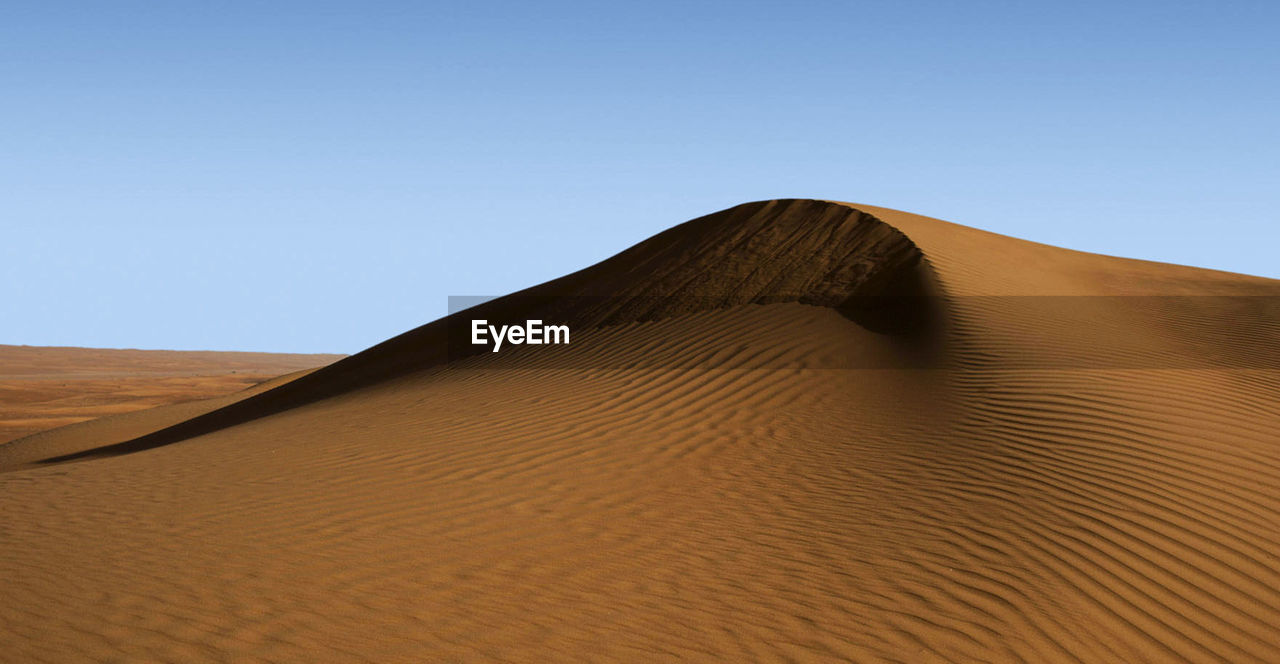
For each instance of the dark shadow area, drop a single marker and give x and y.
(906, 305)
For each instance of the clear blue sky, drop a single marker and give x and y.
(318, 176)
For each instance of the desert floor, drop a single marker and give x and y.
(46, 387)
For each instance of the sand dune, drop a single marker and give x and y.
(792, 430)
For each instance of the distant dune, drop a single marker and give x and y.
(46, 387)
(792, 430)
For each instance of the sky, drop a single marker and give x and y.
(320, 176)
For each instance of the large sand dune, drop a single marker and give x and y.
(792, 430)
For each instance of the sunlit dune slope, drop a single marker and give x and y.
(792, 430)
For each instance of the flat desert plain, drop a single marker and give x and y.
(794, 430)
(46, 387)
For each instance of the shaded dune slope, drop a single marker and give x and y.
(1046, 455)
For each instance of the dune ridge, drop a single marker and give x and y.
(1052, 484)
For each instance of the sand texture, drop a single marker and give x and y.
(789, 431)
